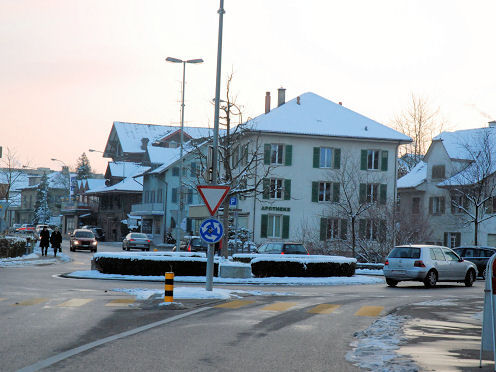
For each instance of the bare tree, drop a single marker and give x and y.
(472, 189)
(11, 172)
(420, 122)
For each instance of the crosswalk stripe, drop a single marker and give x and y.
(236, 304)
(75, 302)
(369, 311)
(32, 301)
(121, 302)
(279, 306)
(323, 309)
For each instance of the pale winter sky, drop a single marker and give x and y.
(70, 68)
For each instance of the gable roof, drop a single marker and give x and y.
(124, 169)
(315, 115)
(456, 142)
(127, 185)
(414, 178)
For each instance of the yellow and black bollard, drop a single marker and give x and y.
(169, 287)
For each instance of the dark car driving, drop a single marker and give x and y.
(97, 231)
(83, 239)
(478, 255)
(282, 248)
(136, 241)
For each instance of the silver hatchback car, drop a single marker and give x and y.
(429, 264)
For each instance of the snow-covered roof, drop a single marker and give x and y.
(130, 134)
(456, 142)
(125, 169)
(315, 115)
(20, 180)
(158, 154)
(128, 184)
(414, 178)
(175, 156)
(93, 183)
(56, 180)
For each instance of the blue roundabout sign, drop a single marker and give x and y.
(211, 230)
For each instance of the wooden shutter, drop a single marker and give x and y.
(430, 204)
(316, 157)
(442, 201)
(363, 160)
(266, 188)
(288, 154)
(315, 192)
(382, 193)
(335, 192)
(344, 229)
(445, 243)
(363, 193)
(267, 153)
(323, 228)
(384, 161)
(263, 227)
(287, 189)
(285, 227)
(458, 237)
(337, 158)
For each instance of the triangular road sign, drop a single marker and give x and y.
(213, 196)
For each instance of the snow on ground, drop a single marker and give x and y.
(290, 281)
(34, 259)
(374, 347)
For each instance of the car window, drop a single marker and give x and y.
(438, 254)
(470, 252)
(405, 252)
(294, 249)
(262, 248)
(274, 248)
(450, 255)
(139, 236)
(487, 253)
(84, 234)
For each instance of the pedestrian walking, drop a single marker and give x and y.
(44, 240)
(56, 241)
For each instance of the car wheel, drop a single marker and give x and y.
(391, 282)
(143, 249)
(469, 278)
(431, 279)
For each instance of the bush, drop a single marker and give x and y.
(244, 257)
(303, 266)
(12, 247)
(152, 264)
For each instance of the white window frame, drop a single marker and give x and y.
(274, 226)
(276, 185)
(373, 159)
(372, 192)
(325, 158)
(436, 205)
(276, 153)
(371, 230)
(325, 192)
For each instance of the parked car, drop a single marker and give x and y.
(15, 227)
(429, 264)
(478, 255)
(195, 244)
(83, 239)
(136, 241)
(26, 228)
(282, 248)
(97, 231)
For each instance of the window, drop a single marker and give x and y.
(436, 205)
(277, 154)
(189, 196)
(174, 195)
(146, 197)
(437, 254)
(415, 205)
(490, 205)
(452, 239)
(152, 196)
(374, 160)
(373, 193)
(159, 196)
(450, 256)
(325, 157)
(175, 171)
(374, 230)
(274, 226)
(275, 188)
(458, 203)
(333, 228)
(193, 169)
(325, 192)
(438, 171)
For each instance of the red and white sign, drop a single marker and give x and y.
(213, 196)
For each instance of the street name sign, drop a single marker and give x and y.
(211, 230)
(212, 196)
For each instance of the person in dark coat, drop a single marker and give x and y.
(44, 241)
(56, 241)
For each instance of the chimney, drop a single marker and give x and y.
(281, 96)
(341, 103)
(298, 100)
(144, 143)
(492, 124)
(267, 102)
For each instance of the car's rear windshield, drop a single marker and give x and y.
(84, 234)
(139, 236)
(198, 242)
(405, 252)
(294, 249)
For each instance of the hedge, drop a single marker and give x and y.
(152, 264)
(12, 247)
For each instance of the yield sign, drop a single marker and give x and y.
(213, 196)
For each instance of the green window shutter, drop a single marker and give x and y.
(323, 228)
(337, 158)
(344, 229)
(285, 227)
(442, 205)
(363, 160)
(267, 154)
(315, 192)
(382, 193)
(263, 227)
(430, 205)
(445, 243)
(362, 225)
(289, 154)
(363, 193)
(384, 161)
(316, 157)
(458, 237)
(287, 189)
(335, 192)
(266, 188)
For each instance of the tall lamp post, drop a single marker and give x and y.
(181, 202)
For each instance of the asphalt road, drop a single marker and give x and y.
(43, 316)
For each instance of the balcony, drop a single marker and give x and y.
(147, 209)
(74, 206)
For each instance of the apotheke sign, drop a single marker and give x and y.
(277, 209)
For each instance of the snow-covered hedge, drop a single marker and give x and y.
(153, 263)
(244, 257)
(12, 247)
(302, 266)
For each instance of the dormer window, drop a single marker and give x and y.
(438, 171)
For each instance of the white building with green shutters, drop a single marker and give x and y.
(321, 155)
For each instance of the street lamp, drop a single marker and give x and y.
(181, 204)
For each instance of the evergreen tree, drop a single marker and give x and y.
(83, 167)
(42, 211)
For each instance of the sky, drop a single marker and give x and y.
(69, 68)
